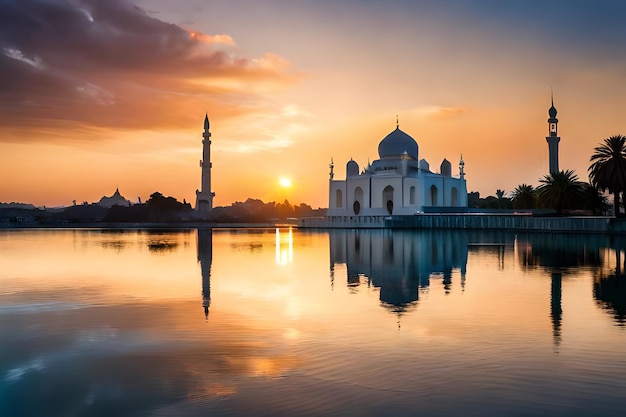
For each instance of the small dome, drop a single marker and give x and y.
(424, 165)
(552, 112)
(352, 169)
(396, 143)
(445, 168)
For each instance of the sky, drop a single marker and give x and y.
(98, 95)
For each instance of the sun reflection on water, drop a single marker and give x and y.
(284, 247)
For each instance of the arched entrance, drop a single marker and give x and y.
(358, 198)
(433, 195)
(388, 198)
(454, 197)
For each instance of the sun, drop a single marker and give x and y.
(284, 182)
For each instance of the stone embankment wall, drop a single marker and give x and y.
(464, 221)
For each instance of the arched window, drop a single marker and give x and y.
(358, 200)
(433, 195)
(338, 199)
(388, 198)
(454, 197)
(412, 195)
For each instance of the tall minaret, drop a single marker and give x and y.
(204, 196)
(553, 139)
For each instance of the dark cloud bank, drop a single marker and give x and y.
(72, 63)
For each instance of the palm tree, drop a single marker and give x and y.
(608, 168)
(595, 201)
(500, 196)
(523, 197)
(561, 190)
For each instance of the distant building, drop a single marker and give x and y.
(398, 183)
(204, 196)
(553, 139)
(115, 200)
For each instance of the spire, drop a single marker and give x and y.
(462, 167)
(397, 122)
(552, 110)
(206, 121)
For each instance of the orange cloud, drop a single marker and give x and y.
(92, 65)
(211, 39)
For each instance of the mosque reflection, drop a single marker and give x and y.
(399, 263)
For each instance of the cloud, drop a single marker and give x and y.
(438, 112)
(108, 64)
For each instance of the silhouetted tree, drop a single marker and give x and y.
(159, 202)
(500, 195)
(473, 199)
(608, 168)
(523, 197)
(561, 190)
(595, 201)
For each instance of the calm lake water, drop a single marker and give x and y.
(280, 322)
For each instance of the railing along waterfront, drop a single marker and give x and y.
(464, 221)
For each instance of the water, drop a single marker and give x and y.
(286, 322)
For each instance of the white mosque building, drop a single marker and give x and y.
(399, 183)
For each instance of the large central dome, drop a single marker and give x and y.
(397, 143)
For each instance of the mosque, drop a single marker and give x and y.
(397, 183)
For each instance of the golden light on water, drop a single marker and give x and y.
(284, 247)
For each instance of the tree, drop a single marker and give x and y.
(595, 201)
(561, 190)
(523, 197)
(608, 167)
(500, 196)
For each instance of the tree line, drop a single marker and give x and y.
(565, 193)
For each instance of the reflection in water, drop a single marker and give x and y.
(205, 258)
(609, 288)
(398, 262)
(284, 246)
(560, 255)
(610, 293)
(555, 307)
(119, 333)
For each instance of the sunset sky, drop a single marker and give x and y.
(96, 95)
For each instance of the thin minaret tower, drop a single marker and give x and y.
(553, 138)
(204, 196)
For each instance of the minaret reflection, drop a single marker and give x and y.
(205, 258)
(560, 256)
(398, 262)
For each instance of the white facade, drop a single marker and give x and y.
(398, 183)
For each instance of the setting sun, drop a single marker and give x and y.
(284, 182)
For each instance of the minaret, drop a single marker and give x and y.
(553, 139)
(204, 196)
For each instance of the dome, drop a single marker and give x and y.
(552, 112)
(352, 169)
(445, 168)
(396, 143)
